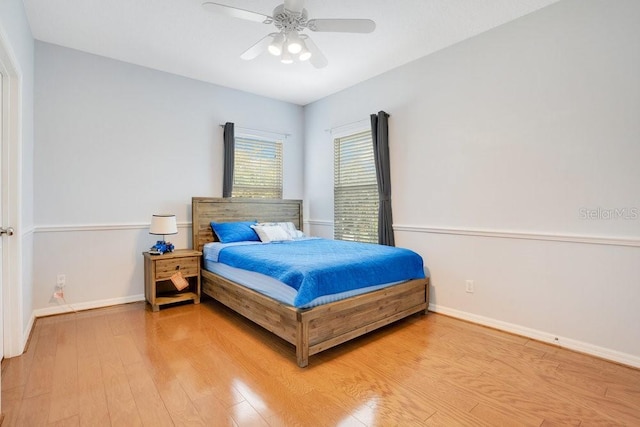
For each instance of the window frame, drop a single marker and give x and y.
(246, 189)
(350, 225)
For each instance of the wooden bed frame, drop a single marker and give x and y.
(309, 330)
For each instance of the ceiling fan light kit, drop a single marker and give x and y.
(286, 46)
(291, 18)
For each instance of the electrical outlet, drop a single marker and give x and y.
(469, 287)
(61, 280)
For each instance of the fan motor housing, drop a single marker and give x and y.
(286, 20)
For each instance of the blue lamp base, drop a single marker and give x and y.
(161, 247)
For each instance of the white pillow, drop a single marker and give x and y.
(289, 227)
(271, 233)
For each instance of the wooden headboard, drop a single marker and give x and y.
(218, 209)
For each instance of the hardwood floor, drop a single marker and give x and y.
(205, 365)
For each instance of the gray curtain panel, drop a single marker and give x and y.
(229, 148)
(380, 136)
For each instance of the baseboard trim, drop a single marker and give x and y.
(27, 332)
(70, 308)
(570, 344)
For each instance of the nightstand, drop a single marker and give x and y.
(158, 269)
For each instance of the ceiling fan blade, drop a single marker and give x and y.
(317, 59)
(234, 12)
(342, 25)
(257, 48)
(295, 6)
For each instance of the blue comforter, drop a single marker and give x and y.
(316, 267)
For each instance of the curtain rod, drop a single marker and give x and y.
(348, 125)
(286, 135)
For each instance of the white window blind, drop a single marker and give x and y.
(355, 189)
(257, 168)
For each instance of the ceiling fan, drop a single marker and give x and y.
(291, 19)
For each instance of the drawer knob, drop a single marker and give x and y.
(177, 267)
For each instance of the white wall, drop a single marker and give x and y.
(116, 143)
(497, 144)
(18, 45)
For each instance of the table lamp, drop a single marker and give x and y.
(162, 224)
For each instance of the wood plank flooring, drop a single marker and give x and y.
(205, 365)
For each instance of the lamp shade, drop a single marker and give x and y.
(286, 57)
(305, 54)
(163, 224)
(294, 43)
(275, 47)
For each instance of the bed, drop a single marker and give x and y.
(310, 330)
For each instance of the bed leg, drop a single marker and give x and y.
(302, 343)
(303, 359)
(426, 296)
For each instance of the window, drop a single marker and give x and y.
(257, 168)
(355, 189)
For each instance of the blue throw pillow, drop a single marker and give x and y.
(240, 231)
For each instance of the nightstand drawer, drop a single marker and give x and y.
(168, 267)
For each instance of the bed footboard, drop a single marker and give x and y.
(319, 328)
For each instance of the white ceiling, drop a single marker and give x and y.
(180, 37)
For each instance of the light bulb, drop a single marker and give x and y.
(294, 44)
(304, 53)
(275, 47)
(286, 57)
